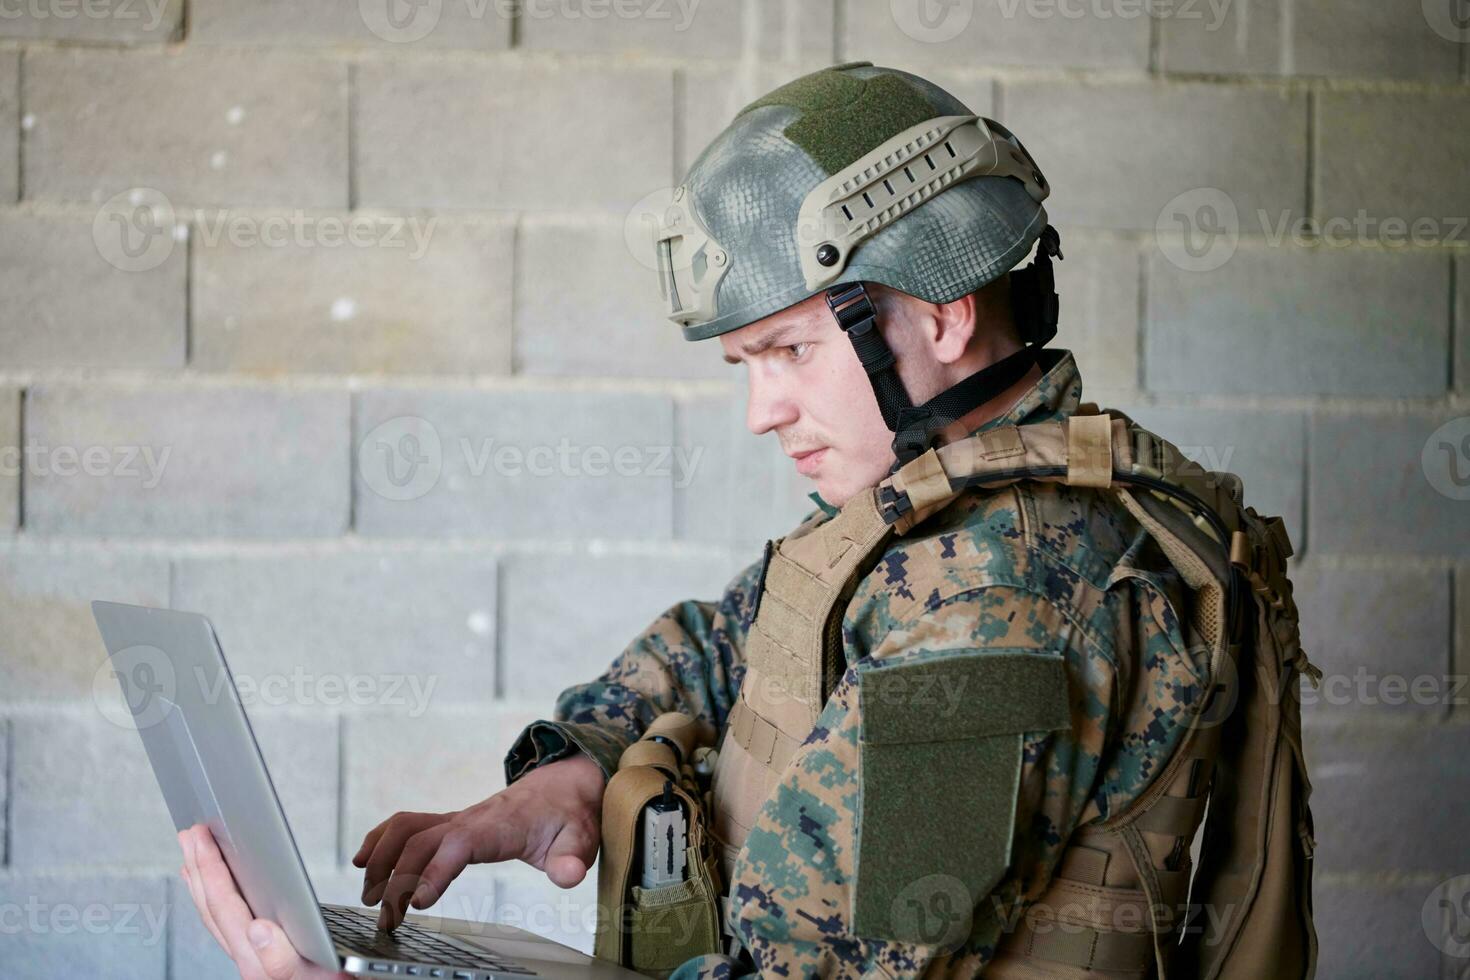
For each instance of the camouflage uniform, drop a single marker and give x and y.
(1039, 568)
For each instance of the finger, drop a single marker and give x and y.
(386, 851)
(190, 874)
(226, 907)
(369, 842)
(405, 877)
(454, 854)
(570, 855)
(192, 883)
(188, 839)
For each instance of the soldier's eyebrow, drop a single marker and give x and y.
(775, 338)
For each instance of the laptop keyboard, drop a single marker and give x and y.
(359, 930)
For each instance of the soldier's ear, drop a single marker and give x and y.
(952, 328)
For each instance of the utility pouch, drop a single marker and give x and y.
(655, 929)
(672, 923)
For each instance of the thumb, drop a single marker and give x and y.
(277, 956)
(570, 855)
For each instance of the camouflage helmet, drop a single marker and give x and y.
(850, 173)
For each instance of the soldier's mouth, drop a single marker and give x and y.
(807, 463)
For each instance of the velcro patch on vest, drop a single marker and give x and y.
(939, 767)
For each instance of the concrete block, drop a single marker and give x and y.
(216, 129)
(1381, 484)
(1299, 321)
(1221, 39)
(498, 136)
(568, 617)
(11, 460)
(745, 490)
(9, 125)
(49, 646)
(4, 790)
(403, 632)
(671, 28)
(1111, 170)
(444, 761)
(1370, 38)
(1097, 286)
(1462, 324)
(281, 23)
(169, 461)
(1267, 450)
(84, 925)
(352, 292)
(911, 34)
(1462, 632)
(800, 33)
(606, 319)
(85, 795)
(1366, 929)
(74, 297)
(1363, 38)
(1367, 780)
(1381, 639)
(1404, 199)
(105, 21)
(539, 464)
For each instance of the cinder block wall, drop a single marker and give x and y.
(329, 320)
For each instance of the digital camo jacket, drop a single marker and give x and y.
(1037, 568)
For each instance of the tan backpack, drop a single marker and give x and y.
(1123, 902)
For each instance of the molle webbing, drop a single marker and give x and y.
(793, 658)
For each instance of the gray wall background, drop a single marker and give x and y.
(208, 214)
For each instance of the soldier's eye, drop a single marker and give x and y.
(797, 350)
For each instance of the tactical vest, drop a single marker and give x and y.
(1113, 906)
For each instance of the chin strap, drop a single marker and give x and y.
(1034, 308)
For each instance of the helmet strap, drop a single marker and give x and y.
(1034, 309)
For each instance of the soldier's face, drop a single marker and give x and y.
(808, 386)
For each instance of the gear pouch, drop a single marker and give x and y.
(676, 922)
(939, 773)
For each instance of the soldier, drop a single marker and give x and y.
(915, 721)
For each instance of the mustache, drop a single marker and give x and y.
(790, 441)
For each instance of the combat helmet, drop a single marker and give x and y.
(859, 173)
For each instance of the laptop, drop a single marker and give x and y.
(171, 667)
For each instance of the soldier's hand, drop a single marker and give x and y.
(550, 818)
(259, 947)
